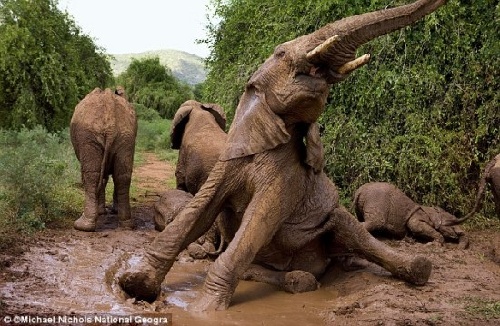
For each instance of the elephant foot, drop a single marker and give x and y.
(417, 272)
(85, 224)
(300, 281)
(142, 281)
(210, 302)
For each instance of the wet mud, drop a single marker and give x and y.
(74, 272)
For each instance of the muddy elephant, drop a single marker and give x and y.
(384, 208)
(491, 176)
(103, 131)
(198, 133)
(270, 174)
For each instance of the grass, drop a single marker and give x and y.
(482, 308)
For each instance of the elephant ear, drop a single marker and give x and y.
(217, 112)
(255, 128)
(181, 117)
(314, 148)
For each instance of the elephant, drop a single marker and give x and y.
(270, 175)
(382, 207)
(491, 176)
(103, 129)
(198, 133)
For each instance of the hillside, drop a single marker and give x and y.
(185, 66)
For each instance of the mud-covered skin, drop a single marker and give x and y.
(103, 131)
(270, 173)
(198, 133)
(382, 207)
(166, 208)
(491, 177)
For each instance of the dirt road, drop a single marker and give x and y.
(68, 272)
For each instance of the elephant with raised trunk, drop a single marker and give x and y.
(270, 175)
(491, 176)
(103, 131)
(384, 208)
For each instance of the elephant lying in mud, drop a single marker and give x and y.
(198, 133)
(382, 207)
(491, 176)
(103, 131)
(270, 175)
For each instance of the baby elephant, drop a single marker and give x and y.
(170, 203)
(382, 207)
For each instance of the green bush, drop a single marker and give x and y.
(153, 135)
(38, 171)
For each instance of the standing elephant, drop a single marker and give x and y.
(270, 174)
(491, 176)
(382, 207)
(103, 131)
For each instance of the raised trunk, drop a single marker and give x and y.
(356, 30)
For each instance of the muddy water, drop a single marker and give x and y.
(76, 274)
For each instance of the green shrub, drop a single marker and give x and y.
(38, 171)
(145, 113)
(153, 135)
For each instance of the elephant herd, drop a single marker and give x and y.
(256, 198)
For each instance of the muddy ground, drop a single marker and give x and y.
(68, 272)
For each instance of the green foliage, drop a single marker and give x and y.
(151, 84)
(153, 135)
(38, 171)
(423, 114)
(46, 65)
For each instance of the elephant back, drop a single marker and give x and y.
(181, 118)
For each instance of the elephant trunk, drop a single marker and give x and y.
(339, 40)
(479, 196)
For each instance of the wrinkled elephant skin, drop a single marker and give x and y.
(103, 131)
(270, 173)
(382, 207)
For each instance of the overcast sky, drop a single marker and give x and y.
(134, 26)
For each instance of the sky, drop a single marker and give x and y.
(135, 26)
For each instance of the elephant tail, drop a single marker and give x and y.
(478, 204)
(104, 162)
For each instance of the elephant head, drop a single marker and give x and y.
(182, 116)
(292, 85)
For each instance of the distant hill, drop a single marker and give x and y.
(185, 66)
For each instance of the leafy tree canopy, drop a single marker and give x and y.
(46, 65)
(152, 85)
(424, 114)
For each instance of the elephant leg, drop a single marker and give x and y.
(296, 281)
(101, 202)
(122, 178)
(90, 167)
(422, 229)
(351, 233)
(143, 280)
(260, 222)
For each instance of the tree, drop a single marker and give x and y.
(423, 114)
(46, 65)
(149, 83)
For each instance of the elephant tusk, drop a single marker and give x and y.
(315, 54)
(350, 66)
